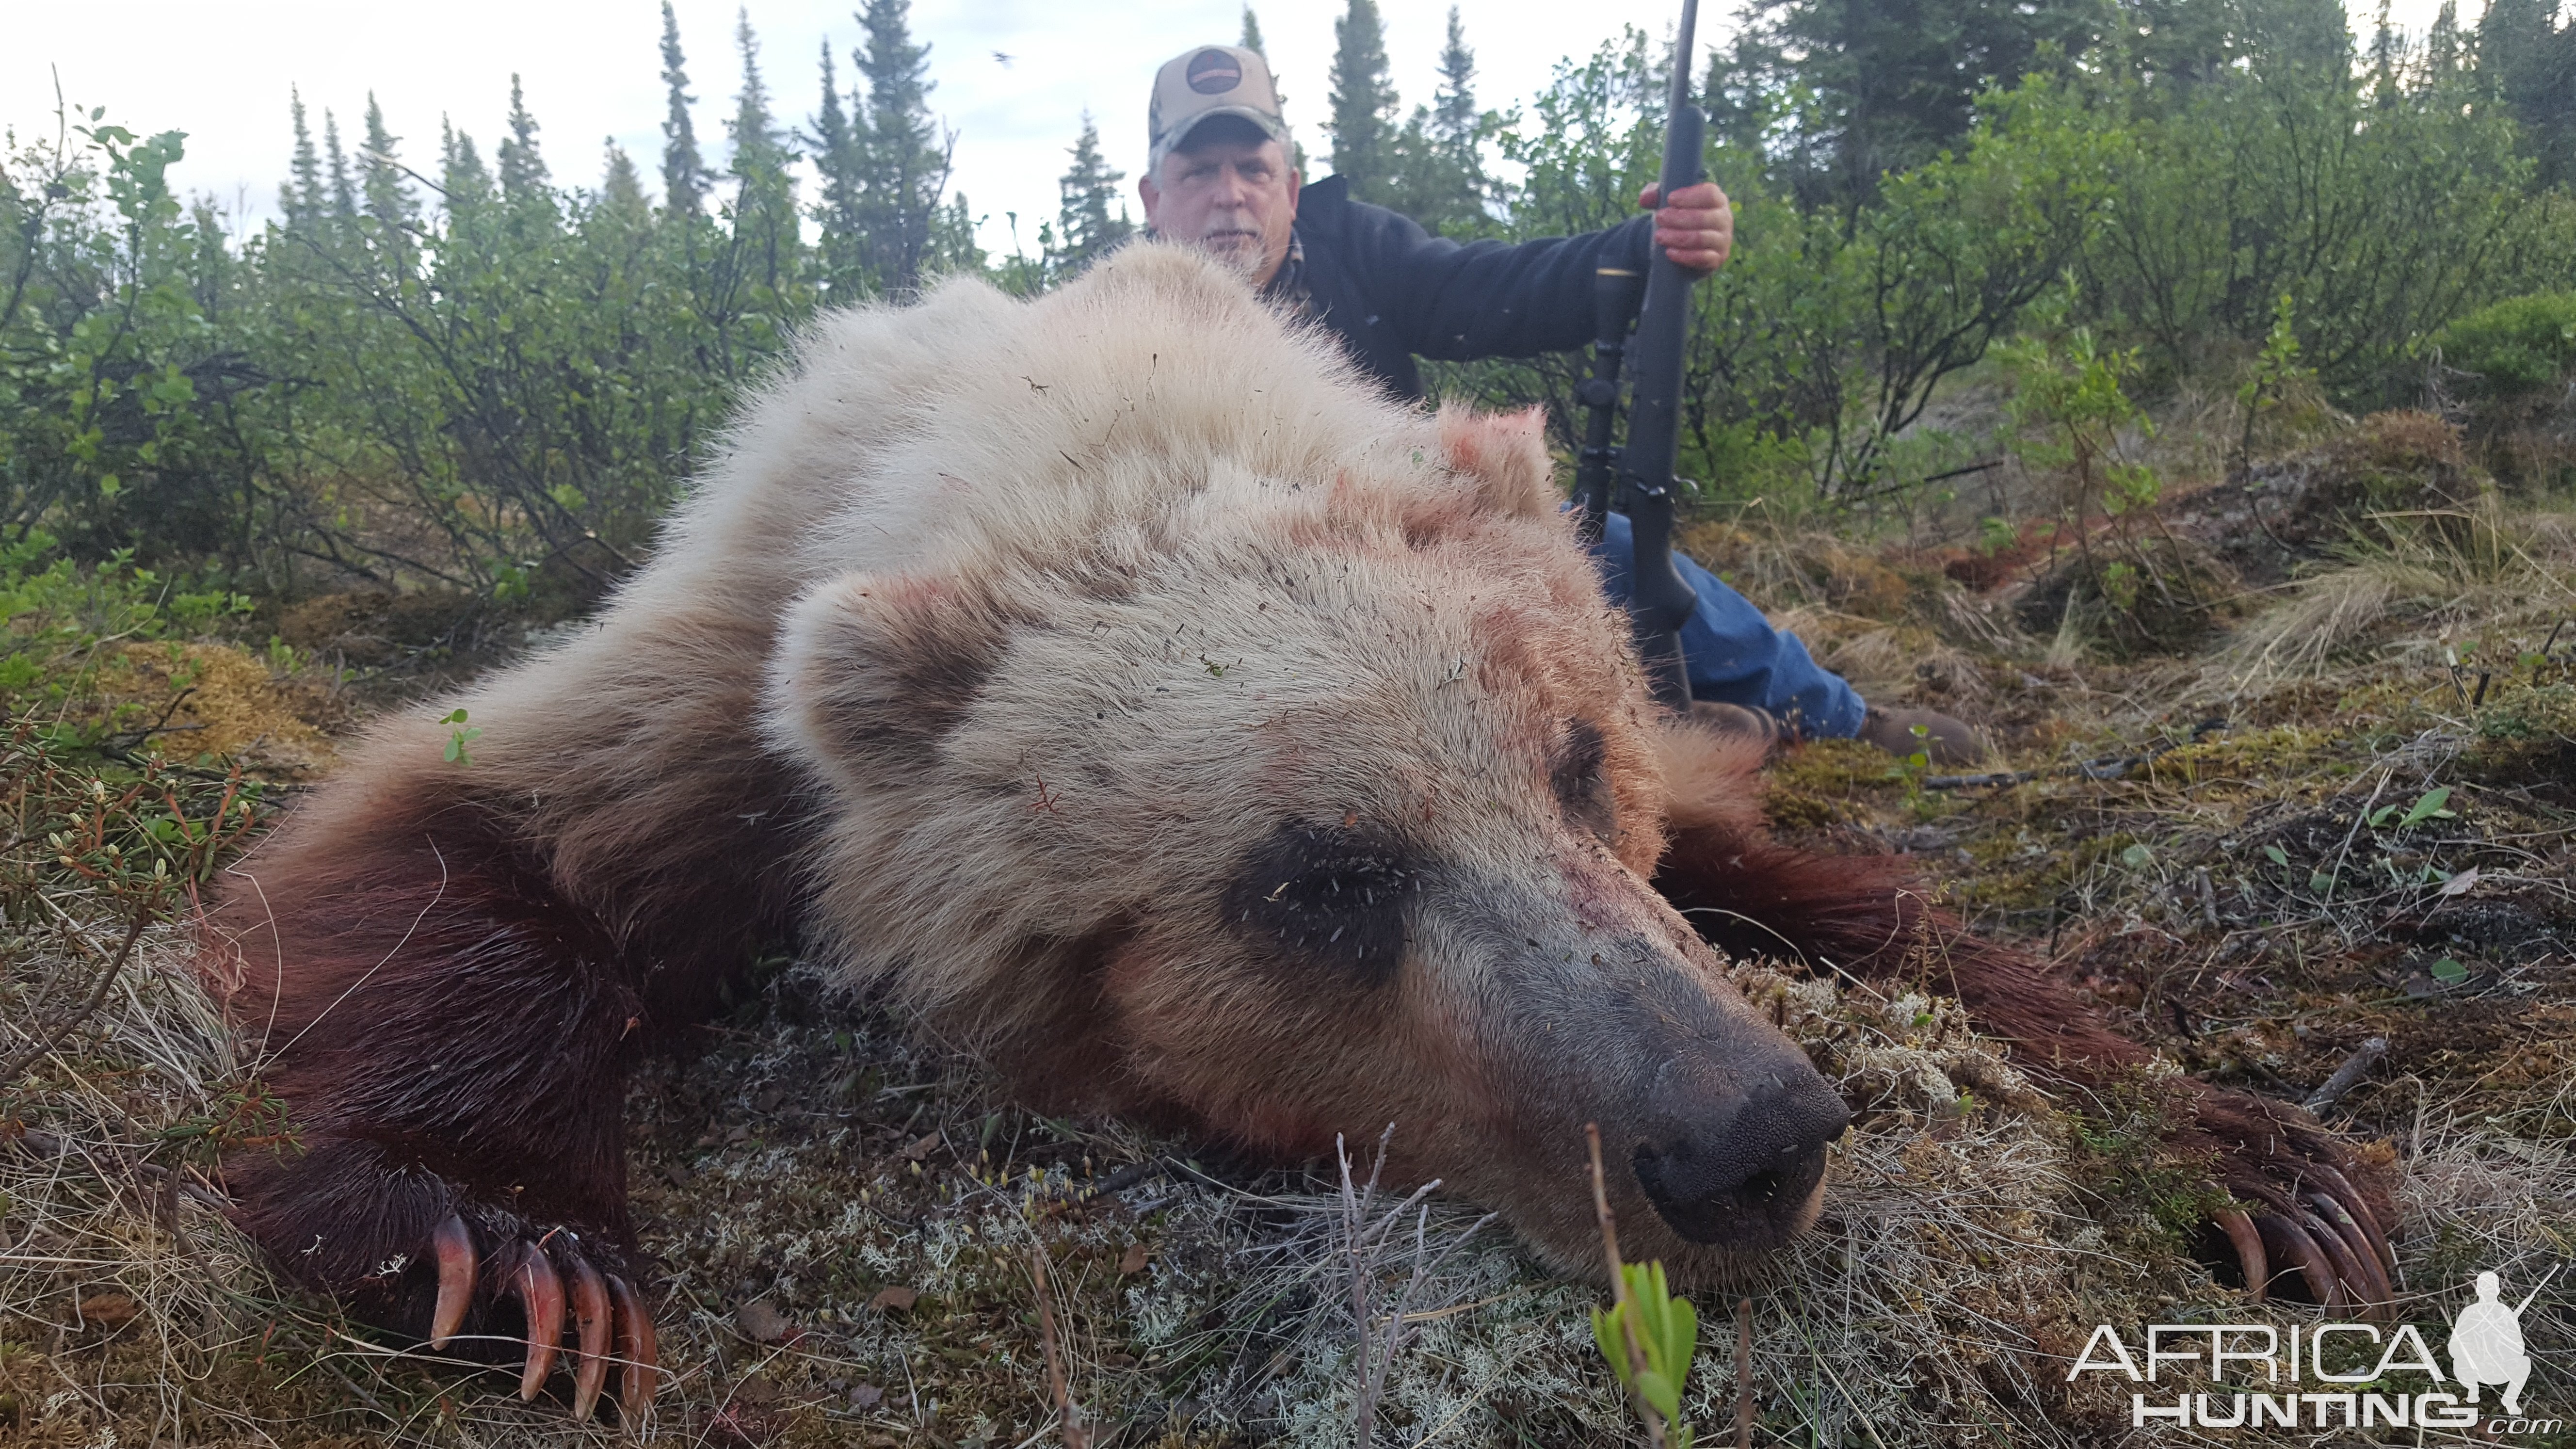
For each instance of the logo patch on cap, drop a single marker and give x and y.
(1213, 72)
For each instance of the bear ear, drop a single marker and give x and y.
(1505, 454)
(1714, 778)
(872, 671)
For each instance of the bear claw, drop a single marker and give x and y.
(540, 1291)
(2319, 1227)
(2359, 1206)
(591, 1314)
(2297, 1215)
(2289, 1243)
(2341, 1219)
(552, 1279)
(635, 1348)
(454, 1247)
(2241, 1234)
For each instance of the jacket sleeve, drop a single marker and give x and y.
(1455, 301)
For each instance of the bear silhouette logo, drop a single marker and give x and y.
(2486, 1342)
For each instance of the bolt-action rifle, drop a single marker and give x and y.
(1642, 470)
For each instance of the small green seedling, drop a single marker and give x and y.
(2428, 808)
(1667, 1335)
(2276, 855)
(2450, 972)
(459, 735)
(2137, 857)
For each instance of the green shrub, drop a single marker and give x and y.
(2517, 346)
(63, 621)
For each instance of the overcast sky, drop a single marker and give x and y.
(220, 71)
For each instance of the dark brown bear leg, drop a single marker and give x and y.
(445, 1036)
(2313, 1209)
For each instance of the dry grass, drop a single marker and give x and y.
(2421, 580)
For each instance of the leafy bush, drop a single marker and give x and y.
(2380, 222)
(2517, 346)
(1826, 335)
(62, 623)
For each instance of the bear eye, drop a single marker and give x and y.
(1325, 897)
(1578, 778)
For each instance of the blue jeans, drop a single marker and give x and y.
(1732, 653)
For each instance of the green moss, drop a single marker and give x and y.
(1825, 783)
(2526, 736)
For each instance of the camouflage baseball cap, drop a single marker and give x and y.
(1212, 80)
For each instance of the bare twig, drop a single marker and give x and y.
(1619, 1284)
(1363, 1240)
(174, 1184)
(2105, 767)
(1744, 1373)
(2347, 1076)
(1074, 1437)
(97, 998)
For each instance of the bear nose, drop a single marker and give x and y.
(1737, 1164)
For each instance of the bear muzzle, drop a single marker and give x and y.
(1731, 1163)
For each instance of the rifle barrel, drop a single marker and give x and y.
(1661, 601)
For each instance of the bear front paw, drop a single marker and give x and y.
(419, 1255)
(2298, 1213)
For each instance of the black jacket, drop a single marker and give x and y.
(1393, 291)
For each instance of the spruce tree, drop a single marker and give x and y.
(840, 163)
(1456, 163)
(344, 191)
(1875, 86)
(904, 166)
(765, 194)
(2527, 63)
(1085, 229)
(1453, 111)
(389, 199)
(2443, 47)
(461, 174)
(523, 169)
(2384, 52)
(301, 198)
(684, 172)
(621, 187)
(759, 149)
(1251, 41)
(1364, 102)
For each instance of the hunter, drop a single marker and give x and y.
(1219, 176)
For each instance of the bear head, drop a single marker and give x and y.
(1285, 809)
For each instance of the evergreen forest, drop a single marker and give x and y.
(434, 369)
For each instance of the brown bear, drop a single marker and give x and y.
(1119, 684)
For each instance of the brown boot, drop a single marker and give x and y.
(1939, 738)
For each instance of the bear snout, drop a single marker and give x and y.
(1727, 1163)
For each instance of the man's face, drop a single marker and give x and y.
(1236, 199)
